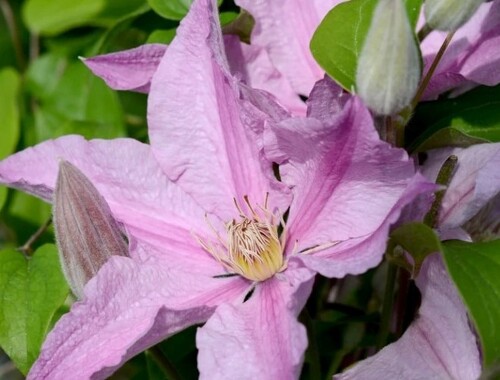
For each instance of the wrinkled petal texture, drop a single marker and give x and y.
(129, 69)
(285, 28)
(261, 338)
(473, 55)
(199, 128)
(438, 345)
(128, 307)
(475, 182)
(126, 174)
(348, 189)
(252, 64)
(133, 70)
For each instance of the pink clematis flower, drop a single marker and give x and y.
(284, 30)
(440, 343)
(472, 57)
(133, 69)
(203, 212)
(469, 210)
(279, 61)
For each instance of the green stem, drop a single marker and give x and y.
(389, 130)
(13, 31)
(387, 305)
(402, 300)
(432, 69)
(312, 350)
(444, 178)
(165, 364)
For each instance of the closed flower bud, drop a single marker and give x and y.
(87, 234)
(389, 66)
(449, 15)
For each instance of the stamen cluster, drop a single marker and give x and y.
(253, 248)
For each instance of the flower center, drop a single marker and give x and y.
(253, 248)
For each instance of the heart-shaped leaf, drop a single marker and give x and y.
(31, 291)
(474, 267)
(468, 119)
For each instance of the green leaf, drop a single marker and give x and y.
(9, 111)
(227, 17)
(413, 9)
(419, 240)
(74, 101)
(172, 9)
(31, 291)
(337, 42)
(44, 74)
(161, 36)
(29, 208)
(56, 16)
(475, 268)
(51, 17)
(154, 370)
(238, 24)
(468, 119)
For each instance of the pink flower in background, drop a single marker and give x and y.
(203, 210)
(440, 344)
(284, 30)
(473, 56)
(470, 207)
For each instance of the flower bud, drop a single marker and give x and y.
(87, 234)
(449, 15)
(389, 66)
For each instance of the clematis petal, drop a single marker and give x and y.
(285, 28)
(126, 174)
(475, 182)
(260, 338)
(347, 189)
(326, 100)
(133, 70)
(129, 69)
(252, 64)
(356, 255)
(128, 307)
(201, 131)
(482, 66)
(438, 345)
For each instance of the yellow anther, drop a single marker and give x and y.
(253, 248)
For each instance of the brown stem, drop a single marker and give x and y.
(13, 31)
(26, 247)
(34, 46)
(432, 69)
(424, 32)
